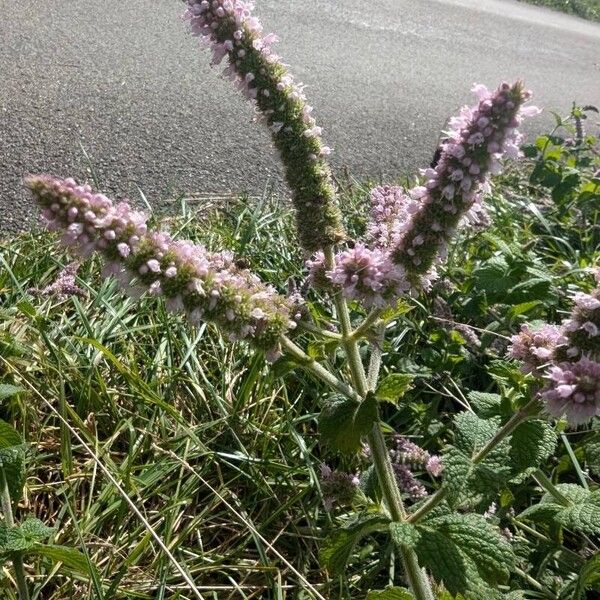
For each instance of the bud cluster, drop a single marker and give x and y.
(233, 32)
(409, 230)
(206, 286)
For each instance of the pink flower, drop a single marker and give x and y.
(203, 284)
(535, 347)
(233, 34)
(573, 390)
(477, 138)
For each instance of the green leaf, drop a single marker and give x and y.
(9, 436)
(461, 475)
(390, 593)
(589, 578)
(71, 558)
(7, 390)
(393, 312)
(12, 458)
(393, 387)
(404, 534)
(337, 548)
(592, 456)
(26, 536)
(485, 405)
(531, 444)
(344, 422)
(583, 516)
(465, 552)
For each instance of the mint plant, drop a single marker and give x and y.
(28, 538)
(448, 541)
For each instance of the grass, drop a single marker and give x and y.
(587, 9)
(168, 455)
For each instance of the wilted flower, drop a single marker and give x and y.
(233, 32)
(204, 285)
(535, 347)
(573, 390)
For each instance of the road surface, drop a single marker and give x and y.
(123, 83)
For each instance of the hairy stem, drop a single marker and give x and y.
(17, 558)
(417, 578)
(519, 417)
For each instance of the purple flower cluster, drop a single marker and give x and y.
(478, 138)
(408, 453)
(391, 207)
(63, 286)
(535, 347)
(337, 487)
(568, 358)
(368, 275)
(205, 286)
(583, 327)
(573, 389)
(409, 231)
(233, 32)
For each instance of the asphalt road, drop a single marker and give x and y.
(123, 80)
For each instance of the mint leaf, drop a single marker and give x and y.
(404, 534)
(337, 548)
(484, 404)
(393, 387)
(531, 444)
(12, 458)
(7, 390)
(344, 422)
(464, 552)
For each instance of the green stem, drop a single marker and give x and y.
(545, 483)
(318, 370)
(366, 325)
(331, 335)
(519, 417)
(417, 577)
(16, 557)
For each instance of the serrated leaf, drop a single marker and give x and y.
(7, 390)
(464, 552)
(9, 436)
(589, 578)
(12, 454)
(344, 422)
(337, 548)
(390, 593)
(71, 558)
(461, 474)
(393, 387)
(26, 536)
(583, 516)
(541, 513)
(592, 456)
(486, 405)
(393, 312)
(404, 534)
(531, 444)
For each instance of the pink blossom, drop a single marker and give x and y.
(573, 390)
(205, 285)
